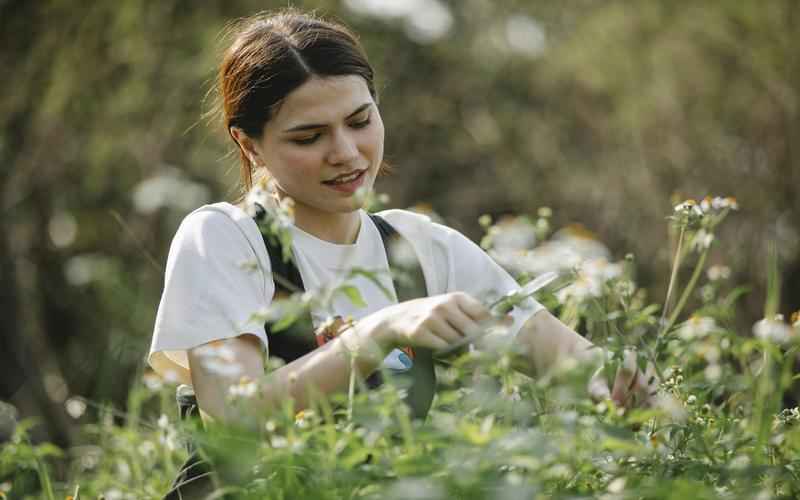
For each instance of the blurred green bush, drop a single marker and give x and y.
(603, 111)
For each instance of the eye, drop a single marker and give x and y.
(305, 141)
(362, 123)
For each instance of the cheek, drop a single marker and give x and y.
(297, 164)
(375, 139)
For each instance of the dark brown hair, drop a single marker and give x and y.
(271, 55)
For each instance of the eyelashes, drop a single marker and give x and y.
(306, 141)
(361, 124)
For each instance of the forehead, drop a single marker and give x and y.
(322, 100)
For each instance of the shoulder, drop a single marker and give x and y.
(412, 223)
(219, 231)
(416, 225)
(219, 224)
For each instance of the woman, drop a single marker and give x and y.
(300, 104)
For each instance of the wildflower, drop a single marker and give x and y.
(689, 207)
(697, 327)
(169, 440)
(712, 372)
(688, 213)
(152, 381)
(702, 240)
(625, 287)
(123, 470)
(720, 203)
(89, 457)
(774, 330)
(219, 358)
(163, 422)
(592, 276)
(258, 196)
(512, 233)
(787, 416)
(75, 407)
(216, 349)
(303, 418)
(112, 494)
(279, 442)
(692, 399)
(245, 388)
(146, 449)
(617, 485)
(402, 254)
(716, 273)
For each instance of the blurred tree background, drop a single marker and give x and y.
(605, 111)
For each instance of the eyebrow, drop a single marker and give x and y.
(312, 126)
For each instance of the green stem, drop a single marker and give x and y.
(351, 389)
(44, 477)
(688, 291)
(676, 263)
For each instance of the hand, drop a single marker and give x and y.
(437, 322)
(632, 388)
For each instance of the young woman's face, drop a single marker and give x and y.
(324, 144)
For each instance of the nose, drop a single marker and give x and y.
(343, 148)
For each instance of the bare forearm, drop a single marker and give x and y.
(545, 341)
(324, 371)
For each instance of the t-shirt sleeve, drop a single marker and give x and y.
(469, 269)
(214, 284)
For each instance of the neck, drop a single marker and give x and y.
(339, 228)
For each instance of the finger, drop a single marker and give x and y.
(598, 387)
(444, 330)
(429, 340)
(644, 389)
(465, 325)
(625, 378)
(471, 307)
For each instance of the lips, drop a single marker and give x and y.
(347, 184)
(345, 178)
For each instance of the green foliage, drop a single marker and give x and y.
(716, 430)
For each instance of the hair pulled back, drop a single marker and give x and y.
(271, 55)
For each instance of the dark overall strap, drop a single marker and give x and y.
(299, 339)
(422, 375)
(194, 478)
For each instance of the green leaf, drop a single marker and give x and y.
(357, 271)
(354, 295)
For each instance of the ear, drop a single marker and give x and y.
(246, 144)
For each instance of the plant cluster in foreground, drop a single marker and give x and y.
(719, 429)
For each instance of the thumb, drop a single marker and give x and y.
(598, 387)
(625, 377)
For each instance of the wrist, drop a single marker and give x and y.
(363, 341)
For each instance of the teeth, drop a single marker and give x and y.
(346, 179)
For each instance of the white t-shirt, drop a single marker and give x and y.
(218, 276)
